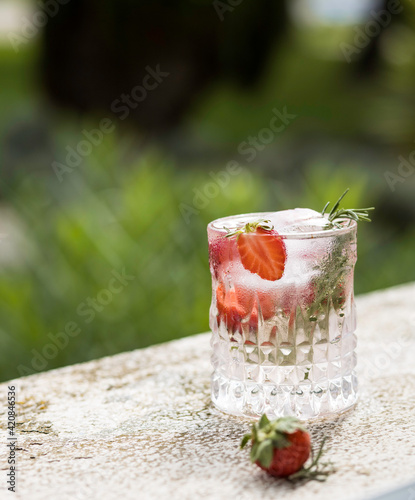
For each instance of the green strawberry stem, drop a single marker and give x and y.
(250, 227)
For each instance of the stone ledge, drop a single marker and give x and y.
(139, 424)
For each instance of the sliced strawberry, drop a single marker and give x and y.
(253, 319)
(229, 309)
(249, 300)
(221, 251)
(339, 295)
(263, 253)
(237, 303)
(266, 303)
(305, 295)
(296, 296)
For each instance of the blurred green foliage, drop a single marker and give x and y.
(75, 234)
(120, 209)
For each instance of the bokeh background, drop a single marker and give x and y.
(138, 201)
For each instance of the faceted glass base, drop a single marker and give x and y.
(248, 388)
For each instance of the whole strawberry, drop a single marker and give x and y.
(282, 447)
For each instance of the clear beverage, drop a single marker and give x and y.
(284, 347)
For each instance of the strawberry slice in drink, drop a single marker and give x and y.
(230, 311)
(221, 252)
(263, 253)
(261, 249)
(237, 303)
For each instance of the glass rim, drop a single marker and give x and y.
(324, 233)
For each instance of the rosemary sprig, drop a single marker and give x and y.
(336, 213)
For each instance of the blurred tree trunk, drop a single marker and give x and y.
(96, 50)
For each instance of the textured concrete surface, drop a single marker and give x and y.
(139, 425)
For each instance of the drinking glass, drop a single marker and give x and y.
(284, 347)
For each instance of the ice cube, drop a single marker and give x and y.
(297, 220)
